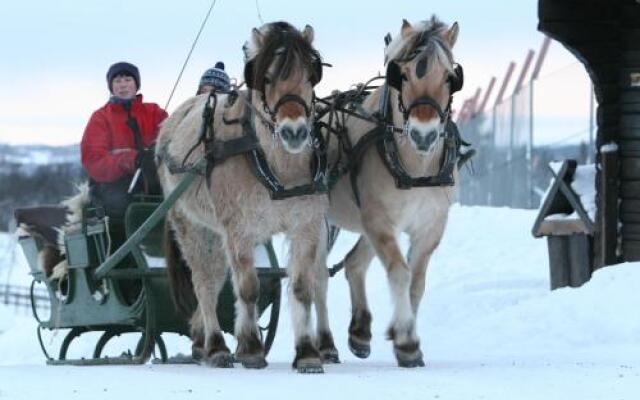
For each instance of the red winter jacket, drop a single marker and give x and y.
(108, 147)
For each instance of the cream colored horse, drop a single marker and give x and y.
(420, 67)
(281, 69)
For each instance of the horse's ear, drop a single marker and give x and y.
(452, 34)
(257, 37)
(406, 28)
(308, 33)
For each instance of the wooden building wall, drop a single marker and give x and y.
(605, 36)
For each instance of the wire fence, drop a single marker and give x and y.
(19, 298)
(549, 119)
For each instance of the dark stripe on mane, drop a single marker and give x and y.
(426, 42)
(293, 52)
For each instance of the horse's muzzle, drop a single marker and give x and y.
(423, 136)
(294, 136)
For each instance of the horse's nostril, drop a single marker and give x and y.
(432, 136)
(302, 132)
(415, 135)
(286, 133)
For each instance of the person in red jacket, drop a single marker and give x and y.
(117, 145)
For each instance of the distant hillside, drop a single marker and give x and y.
(36, 174)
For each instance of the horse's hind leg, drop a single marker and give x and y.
(402, 329)
(302, 274)
(250, 350)
(356, 264)
(202, 249)
(324, 338)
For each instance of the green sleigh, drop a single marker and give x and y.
(119, 293)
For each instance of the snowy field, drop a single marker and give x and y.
(490, 329)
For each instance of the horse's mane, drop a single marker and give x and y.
(284, 40)
(426, 39)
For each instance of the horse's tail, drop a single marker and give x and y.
(182, 292)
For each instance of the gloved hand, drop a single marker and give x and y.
(146, 160)
(147, 163)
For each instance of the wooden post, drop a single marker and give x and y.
(608, 205)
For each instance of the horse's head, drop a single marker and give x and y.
(282, 66)
(420, 66)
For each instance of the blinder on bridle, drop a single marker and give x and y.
(315, 75)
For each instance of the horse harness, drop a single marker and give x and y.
(382, 135)
(218, 151)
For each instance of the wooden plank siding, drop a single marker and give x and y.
(605, 36)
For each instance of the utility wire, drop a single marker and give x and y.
(184, 65)
(259, 14)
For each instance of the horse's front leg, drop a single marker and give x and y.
(250, 350)
(402, 329)
(324, 338)
(302, 274)
(423, 244)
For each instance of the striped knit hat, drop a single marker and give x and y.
(216, 77)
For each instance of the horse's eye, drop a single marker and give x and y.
(421, 67)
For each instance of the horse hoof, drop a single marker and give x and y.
(410, 360)
(409, 355)
(197, 354)
(418, 362)
(253, 362)
(220, 360)
(359, 349)
(330, 356)
(309, 366)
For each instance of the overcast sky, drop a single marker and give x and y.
(55, 53)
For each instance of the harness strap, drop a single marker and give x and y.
(383, 136)
(218, 151)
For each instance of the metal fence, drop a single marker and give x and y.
(19, 298)
(517, 138)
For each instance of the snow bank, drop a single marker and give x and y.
(489, 325)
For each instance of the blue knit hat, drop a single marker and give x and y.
(216, 77)
(123, 68)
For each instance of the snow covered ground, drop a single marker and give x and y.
(490, 329)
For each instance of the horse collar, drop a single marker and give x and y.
(383, 135)
(388, 148)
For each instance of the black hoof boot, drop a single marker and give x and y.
(359, 348)
(250, 352)
(327, 349)
(409, 355)
(330, 356)
(217, 353)
(307, 359)
(360, 334)
(220, 360)
(198, 352)
(252, 361)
